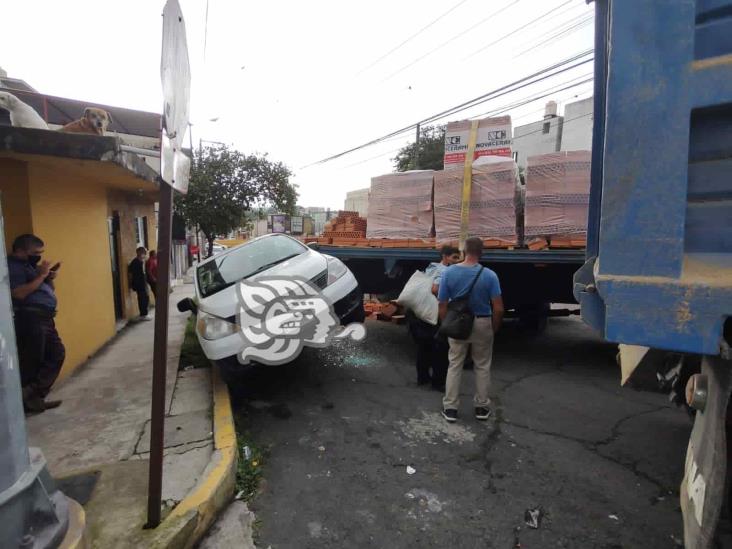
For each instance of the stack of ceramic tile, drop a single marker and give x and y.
(495, 200)
(557, 198)
(400, 205)
(493, 139)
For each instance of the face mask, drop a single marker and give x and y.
(34, 259)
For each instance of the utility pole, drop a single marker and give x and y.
(416, 149)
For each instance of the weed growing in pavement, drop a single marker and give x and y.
(249, 467)
(191, 353)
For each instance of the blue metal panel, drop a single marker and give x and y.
(591, 306)
(664, 265)
(646, 138)
(713, 28)
(598, 135)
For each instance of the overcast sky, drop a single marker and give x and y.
(303, 80)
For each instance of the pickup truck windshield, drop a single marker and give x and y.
(245, 261)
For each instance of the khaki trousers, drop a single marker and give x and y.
(481, 339)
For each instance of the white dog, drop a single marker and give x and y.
(21, 115)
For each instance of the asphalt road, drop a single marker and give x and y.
(341, 426)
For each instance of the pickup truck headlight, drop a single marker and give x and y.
(336, 269)
(212, 327)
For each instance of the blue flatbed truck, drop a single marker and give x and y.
(658, 272)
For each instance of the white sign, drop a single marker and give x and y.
(296, 225)
(175, 76)
(494, 138)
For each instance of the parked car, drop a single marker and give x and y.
(216, 302)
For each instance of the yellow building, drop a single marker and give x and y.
(92, 204)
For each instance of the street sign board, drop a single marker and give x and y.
(175, 76)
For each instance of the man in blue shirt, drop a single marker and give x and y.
(40, 350)
(487, 306)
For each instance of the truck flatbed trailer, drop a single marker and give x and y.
(531, 280)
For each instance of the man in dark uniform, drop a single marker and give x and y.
(138, 282)
(40, 350)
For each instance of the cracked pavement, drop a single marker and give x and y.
(341, 425)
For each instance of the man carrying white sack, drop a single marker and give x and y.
(432, 349)
(478, 285)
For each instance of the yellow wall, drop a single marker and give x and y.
(70, 216)
(69, 213)
(14, 199)
(129, 206)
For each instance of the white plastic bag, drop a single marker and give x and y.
(417, 295)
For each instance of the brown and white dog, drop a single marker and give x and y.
(94, 121)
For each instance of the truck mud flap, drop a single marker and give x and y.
(703, 489)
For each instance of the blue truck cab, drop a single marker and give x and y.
(658, 270)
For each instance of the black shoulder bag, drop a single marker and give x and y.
(458, 322)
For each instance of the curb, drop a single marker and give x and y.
(192, 517)
(76, 535)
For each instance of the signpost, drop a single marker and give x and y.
(175, 76)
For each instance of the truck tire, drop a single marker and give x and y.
(704, 494)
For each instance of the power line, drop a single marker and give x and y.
(451, 39)
(420, 31)
(533, 40)
(514, 31)
(559, 100)
(517, 85)
(497, 111)
(541, 130)
(534, 78)
(565, 122)
(205, 34)
(532, 99)
(568, 29)
(372, 158)
(564, 100)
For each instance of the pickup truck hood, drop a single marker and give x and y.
(224, 303)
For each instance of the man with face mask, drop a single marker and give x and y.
(40, 350)
(138, 282)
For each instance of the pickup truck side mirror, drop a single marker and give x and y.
(187, 304)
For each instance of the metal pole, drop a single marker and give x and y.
(416, 149)
(160, 358)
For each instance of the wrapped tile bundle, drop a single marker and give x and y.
(495, 200)
(493, 139)
(557, 196)
(400, 205)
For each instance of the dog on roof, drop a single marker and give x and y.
(94, 121)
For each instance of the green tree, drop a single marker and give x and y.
(431, 151)
(226, 184)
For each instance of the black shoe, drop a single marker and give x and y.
(482, 413)
(34, 405)
(51, 404)
(424, 380)
(440, 388)
(450, 415)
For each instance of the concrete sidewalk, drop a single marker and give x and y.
(100, 434)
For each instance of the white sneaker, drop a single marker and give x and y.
(145, 318)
